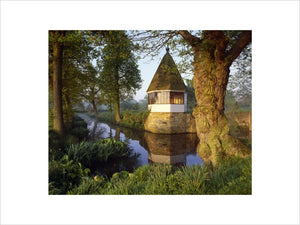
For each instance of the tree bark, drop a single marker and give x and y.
(94, 107)
(117, 135)
(211, 73)
(57, 82)
(117, 111)
(67, 110)
(117, 95)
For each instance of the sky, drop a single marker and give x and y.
(147, 67)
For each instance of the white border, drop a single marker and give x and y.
(24, 33)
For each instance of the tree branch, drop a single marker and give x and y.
(243, 40)
(191, 39)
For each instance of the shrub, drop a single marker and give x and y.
(56, 145)
(79, 129)
(55, 141)
(64, 175)
(76, 133)
(90, 154)
(79, 123)
(134, 120)
(89, 186)
(80, 132)
(129, 119)
(107, 117)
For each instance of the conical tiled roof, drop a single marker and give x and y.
(167, 76)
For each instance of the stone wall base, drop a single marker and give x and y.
(170, 123)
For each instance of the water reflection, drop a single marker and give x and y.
(178, 149)
(171, 149)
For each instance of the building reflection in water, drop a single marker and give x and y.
(170, 149)
(178, 149)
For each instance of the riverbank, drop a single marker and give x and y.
(77, 172)
(179, 149)
(130, 119)
(240, 122)
(232, 177)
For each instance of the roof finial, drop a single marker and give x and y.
(167, 49)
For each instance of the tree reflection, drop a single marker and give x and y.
(95, 131)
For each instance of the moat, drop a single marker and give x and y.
(176, 149)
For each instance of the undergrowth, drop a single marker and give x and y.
(230, 177)
(90, 154)
(129, 118)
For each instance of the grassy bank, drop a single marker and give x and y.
(71, 158)
(130, 119)
(72, 175)
(85, 159)
(79, 167)
(230, 177)
(75, 133)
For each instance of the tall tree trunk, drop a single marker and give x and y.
(67, 110)
(57, 82)
(117, 95)
(211, 73)
(117, 110)
(118, 131)
(94, 107)
(210, 81)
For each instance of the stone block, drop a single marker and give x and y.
(170, 123)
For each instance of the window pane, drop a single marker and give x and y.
(176, 97)
(151, 98)
(165, 97)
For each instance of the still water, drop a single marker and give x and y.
(177, 149)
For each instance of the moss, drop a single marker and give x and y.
(204, 150)
(203, 125)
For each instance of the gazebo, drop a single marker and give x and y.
(167, 91)
(167, 100)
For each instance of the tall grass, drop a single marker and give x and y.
(230, 177)
(90, 154)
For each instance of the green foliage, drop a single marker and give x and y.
(231, 176)
(80, 132)
(191, 99)
(107, 117)
(79, 122)
(64, 175)
(133, 105)
(79, 129)
(89, 186)
(134, 120)
(129, 118)
(91, 154)
(77, 132)
(56, 145)
(120, 76)
(78, 51)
